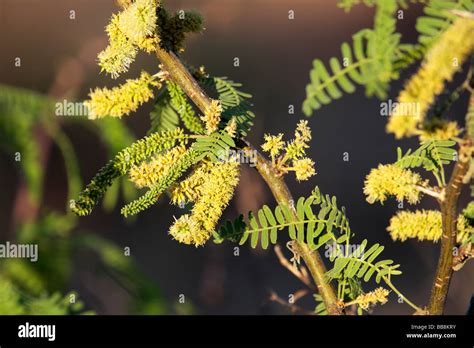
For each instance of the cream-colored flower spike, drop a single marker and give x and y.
(121, 100)
(442, 61)
(132, 29)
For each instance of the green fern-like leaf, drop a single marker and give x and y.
(432, 155)
(362, 264)
(71, 162)
(407, 54)
(20, 111)
(215, 146)
(438, 18)
(312, 227)
(369, 63)
(163, 117)
(235, 103)
(232, 231)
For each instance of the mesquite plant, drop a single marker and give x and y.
(198, 131)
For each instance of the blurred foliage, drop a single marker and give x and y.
(13, 302)
(35, 288)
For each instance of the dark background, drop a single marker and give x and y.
(275, 58)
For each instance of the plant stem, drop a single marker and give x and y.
(430, 192)
(181, 76)
(444, 270)
(312, 258)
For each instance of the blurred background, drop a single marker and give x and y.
(58, 59)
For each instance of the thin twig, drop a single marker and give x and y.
(290, 306)
(300, 273)
(430, 192)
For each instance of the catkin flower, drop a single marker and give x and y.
(212, 116)
(138, 21)
(304, 168)
(121, 100)
(231, 127)
(148, 173)
(442, 61)
(425, 225)
(420, 224)
(187, 231)
(465, 231)
(297, 147)
(392, 180)
(120, 53)
(443, 131)
(273, 144)
(303, 132)
(189, 189)
(133, 28)
(217, 191)
(379, 295)
(215, 194)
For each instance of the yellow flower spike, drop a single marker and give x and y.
(403, 125)
(189, 189)
(425, 225)
(148, 173)
(420, 224)
(115, 33)
(187, 231)
(442, 61)
(304, 168)
(391, 180)
(117, 57)
(122, 100)
(303, 132)
(444, 131)
(231, 127)
(296, 149)
(134, 27)
(138, 21)
(379, 295)
(465, 230)
(216, 192)
(212, 116)
(116, 60)
(184, 192)
(273, 144)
